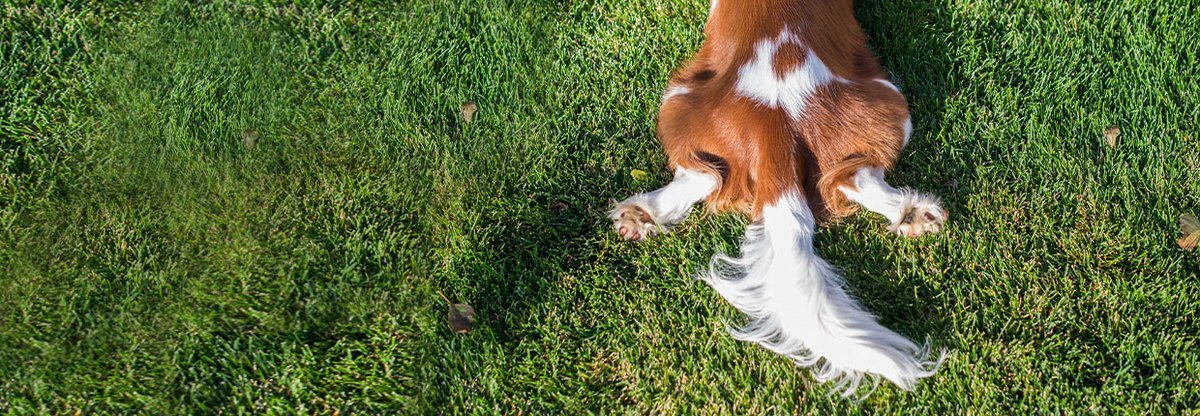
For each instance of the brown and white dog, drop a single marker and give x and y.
(785, 115)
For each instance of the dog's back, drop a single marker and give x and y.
(782, 93)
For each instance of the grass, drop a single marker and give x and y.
(252, 207)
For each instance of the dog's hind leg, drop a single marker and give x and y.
(855, 134)
(643, 215)
(911, 213)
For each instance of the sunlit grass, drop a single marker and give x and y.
(253, 208)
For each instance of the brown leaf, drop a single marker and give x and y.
(461, 317)
(1191, 232)
(1189, 243)
(1111, 134)
(250, 138)
(468, 111)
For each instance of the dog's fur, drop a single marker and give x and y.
(785, 115)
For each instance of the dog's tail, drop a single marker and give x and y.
(798, 307)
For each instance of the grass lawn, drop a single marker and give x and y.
(249, 207)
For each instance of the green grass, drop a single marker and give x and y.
(251, 207)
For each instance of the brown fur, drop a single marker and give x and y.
(759, 152)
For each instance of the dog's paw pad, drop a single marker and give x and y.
(920, 216)
(633, 223)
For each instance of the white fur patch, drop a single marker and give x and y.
(799, 308)
(757, 79)
(889, 84)
(673, 91)
(875, 194)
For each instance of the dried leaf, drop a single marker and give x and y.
(461, 317)
(468, 111)
(1191, 232)
(1190, 242)
(1189, 223)
(250, 138)
(1111, 134)
(639, 175)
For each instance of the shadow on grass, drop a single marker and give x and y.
(517, 271)
(544, 238)
(908, 39)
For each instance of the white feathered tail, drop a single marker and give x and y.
(798, 307)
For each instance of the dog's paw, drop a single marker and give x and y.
(920, 215)
(633, 223)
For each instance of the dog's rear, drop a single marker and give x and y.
(784, 112)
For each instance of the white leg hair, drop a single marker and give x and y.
(799, 308)
(910, 213)
(645, 214)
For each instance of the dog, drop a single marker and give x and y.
(785, 115)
